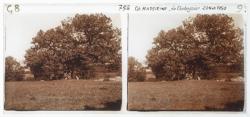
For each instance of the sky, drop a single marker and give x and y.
(144, 27)
(21, 28)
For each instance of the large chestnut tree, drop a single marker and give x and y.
(192, 49)
(75, 47)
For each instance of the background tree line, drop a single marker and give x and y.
(74, 48)
(13, 69)
(136, 71)
(194, 48)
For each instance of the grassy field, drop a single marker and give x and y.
(63, 95)
(186, 95)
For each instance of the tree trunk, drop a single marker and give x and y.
(194, 70)
(72, 74)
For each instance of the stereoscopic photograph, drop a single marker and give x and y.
(186, 62)
(60, 61)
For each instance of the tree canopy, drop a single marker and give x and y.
(194, 47)
(74, 47)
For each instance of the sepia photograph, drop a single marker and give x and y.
(186, 62)
(62, 61)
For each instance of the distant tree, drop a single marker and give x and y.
(75, 47)
(136, 72)
(13, 70)
(191, 49)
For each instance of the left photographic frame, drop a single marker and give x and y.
(62, 58)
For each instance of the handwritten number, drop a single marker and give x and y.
(13, 8)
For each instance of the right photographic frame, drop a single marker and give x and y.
(186, 62)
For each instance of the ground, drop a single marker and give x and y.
(63, 95)
(186, 95)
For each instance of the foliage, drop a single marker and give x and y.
(13, 70)
(136, 72)
(192, 48)
(75, 47)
